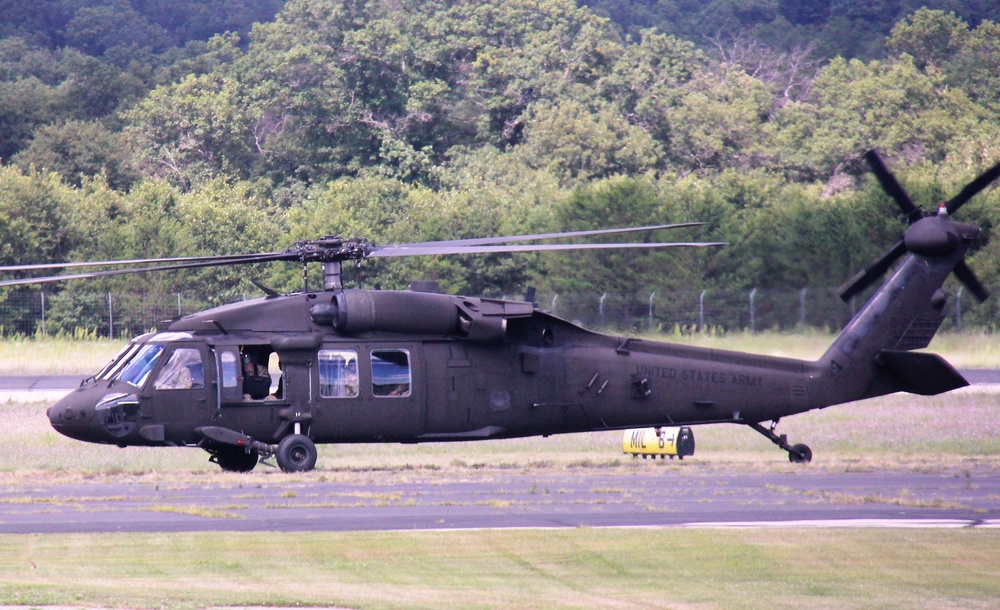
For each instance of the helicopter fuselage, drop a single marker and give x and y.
(522, 372)
(350, 366)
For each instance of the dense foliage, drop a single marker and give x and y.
(143, 128)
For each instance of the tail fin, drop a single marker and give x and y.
(872, 357)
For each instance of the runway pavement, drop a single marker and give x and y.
(658, 496)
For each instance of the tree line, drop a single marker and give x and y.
(139, 129)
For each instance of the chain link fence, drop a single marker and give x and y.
(123, 315)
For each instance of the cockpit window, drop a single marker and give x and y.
(184, 371)
(109, 370)
(138, 366)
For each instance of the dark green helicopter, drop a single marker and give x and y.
(363, 366)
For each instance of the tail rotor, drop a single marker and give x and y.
(928, 234)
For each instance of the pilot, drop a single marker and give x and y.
(182, 372)
(256, 380)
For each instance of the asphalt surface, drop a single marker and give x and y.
(685, 494)
(655, 497)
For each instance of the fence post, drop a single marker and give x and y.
(651, 297)
(802, 308)
(178, 304)
(553, 308)
(701, 312)
(600, 309)
(43, 314)
(111, 318)
(753, 311)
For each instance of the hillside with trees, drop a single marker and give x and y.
(138, 129)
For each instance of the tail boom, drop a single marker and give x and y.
(872, 356)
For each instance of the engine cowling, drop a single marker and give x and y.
(360, 311)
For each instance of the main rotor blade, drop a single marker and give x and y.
(485, 241)
(221, 259)
(972, 189)
(390, 251)
(892, 187)
(969, 279)
(869, 274)
(257, 258)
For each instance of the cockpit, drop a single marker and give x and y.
(120, 399)
(137, 360)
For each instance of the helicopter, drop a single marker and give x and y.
(418, 365)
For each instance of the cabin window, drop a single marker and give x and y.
(184, 371)
(338, 373)
(391, 372)
(229, 370)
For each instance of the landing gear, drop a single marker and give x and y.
(296, 453)
(800, 454)
(234, 459)
(797, 454)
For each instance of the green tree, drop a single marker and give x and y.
(334, 88)
(931, 37)
(578, 144)
(192, 131)
(25, 104)
(856, 106)
(719, 122)
(76, 151)
(32, 209)
(609, 203)
(645, 82)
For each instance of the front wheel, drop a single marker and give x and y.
(296, 453)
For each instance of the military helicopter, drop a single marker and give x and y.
(411, 366)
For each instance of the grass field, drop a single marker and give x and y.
(575, 568)
(512, 569)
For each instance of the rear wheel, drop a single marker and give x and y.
(296, 453)
(800, 454)
(235, 459)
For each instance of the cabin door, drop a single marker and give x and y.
(370, 392)
(451, 386)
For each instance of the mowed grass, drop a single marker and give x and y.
(569, 568)
(564, 568)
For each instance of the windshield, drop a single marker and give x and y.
(117, 362)
(140, 364)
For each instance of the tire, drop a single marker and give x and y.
(236, 459)
(296, 453)
(800, 454)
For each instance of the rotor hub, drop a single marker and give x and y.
(933, 236)
(332, 249)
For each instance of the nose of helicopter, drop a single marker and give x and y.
(74, 417)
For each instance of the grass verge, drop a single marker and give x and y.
(574, 568)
